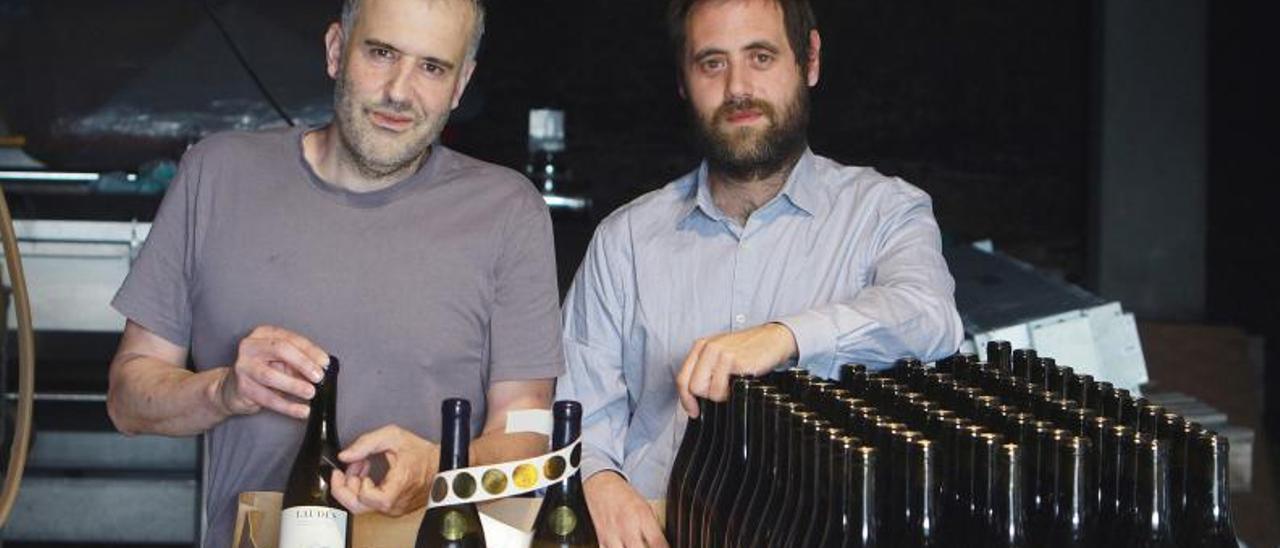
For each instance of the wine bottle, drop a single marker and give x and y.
(1208, 522)
(733, 461)
(1075, 525)
(310, 517)
(1009, 529)
(676, 481)
(1149, 526)
(455, 525)
(922, 510)
(853, 493)
(563, 520)
(755, 471)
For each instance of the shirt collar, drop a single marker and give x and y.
(800, 190)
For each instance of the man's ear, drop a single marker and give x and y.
(468, 68)
(814, 65)
(333, 41)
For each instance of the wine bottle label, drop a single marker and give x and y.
(313, 527)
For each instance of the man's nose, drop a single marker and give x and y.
(738, 82)
(397, 88)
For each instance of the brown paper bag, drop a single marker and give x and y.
(507, 522)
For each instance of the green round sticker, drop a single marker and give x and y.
(563, 521)
(453, 526)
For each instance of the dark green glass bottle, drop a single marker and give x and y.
(563, 520)
(1208, 516)
(457, 525)
(310, 517)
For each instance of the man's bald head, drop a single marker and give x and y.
(351, 11)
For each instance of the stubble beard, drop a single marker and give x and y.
(747, 153)
(358, 138)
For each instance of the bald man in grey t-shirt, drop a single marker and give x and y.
(429, 274)
(442, 285)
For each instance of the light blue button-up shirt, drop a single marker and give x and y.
(848, 259)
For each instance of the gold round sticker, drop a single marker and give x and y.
(464, 485)
(563, 521)
(494, 481)
(525, 476)
(439, 489)
(553, 468)
(453, 526)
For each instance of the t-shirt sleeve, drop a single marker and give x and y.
(155, 294)
(524, 334)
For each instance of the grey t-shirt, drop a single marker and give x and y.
(428, 289)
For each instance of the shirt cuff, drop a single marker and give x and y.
(594, 462)
(815, 335)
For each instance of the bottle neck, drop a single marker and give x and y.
(862, 520)
(1075, 505)
(754, 434)
(1152, 504)
(322, 423)
(455, 442)
(1010, 517)
(739, 420)
(778, 427)
(1214, 484)
(922, 495)
(564, 431)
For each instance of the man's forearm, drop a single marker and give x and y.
(148, 396)
(501, 447)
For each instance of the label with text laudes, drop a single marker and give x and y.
(313, 527)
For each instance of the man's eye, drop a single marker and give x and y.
(381, 52)
(763, 58)
(712, 64)
(432, 68)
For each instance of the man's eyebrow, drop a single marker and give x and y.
(447, 65)
(764, 45)
(707, 52)
(380, 44)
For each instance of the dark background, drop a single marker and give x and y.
(994, 108)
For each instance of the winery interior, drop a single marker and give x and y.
(1102, 172)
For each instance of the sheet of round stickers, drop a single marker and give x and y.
(495, 481)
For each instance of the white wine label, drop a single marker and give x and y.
(313, 527)
(505, 479)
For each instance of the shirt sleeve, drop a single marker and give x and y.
(594, 312)
(524, 327)
(156, 292)
(907, 309)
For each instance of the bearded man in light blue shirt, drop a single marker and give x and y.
(767, 255)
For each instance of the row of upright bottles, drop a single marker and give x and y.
(312, 518)
(1016, 451)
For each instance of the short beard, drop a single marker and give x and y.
(357, 142)
(777, 148)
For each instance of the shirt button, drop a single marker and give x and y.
(740, 318)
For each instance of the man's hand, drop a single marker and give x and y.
(272, 365)
(754, 351)
(623, 519)
(411, 463)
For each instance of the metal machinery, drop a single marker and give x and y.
(84, 481)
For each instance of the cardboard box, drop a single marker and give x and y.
(507, 523)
